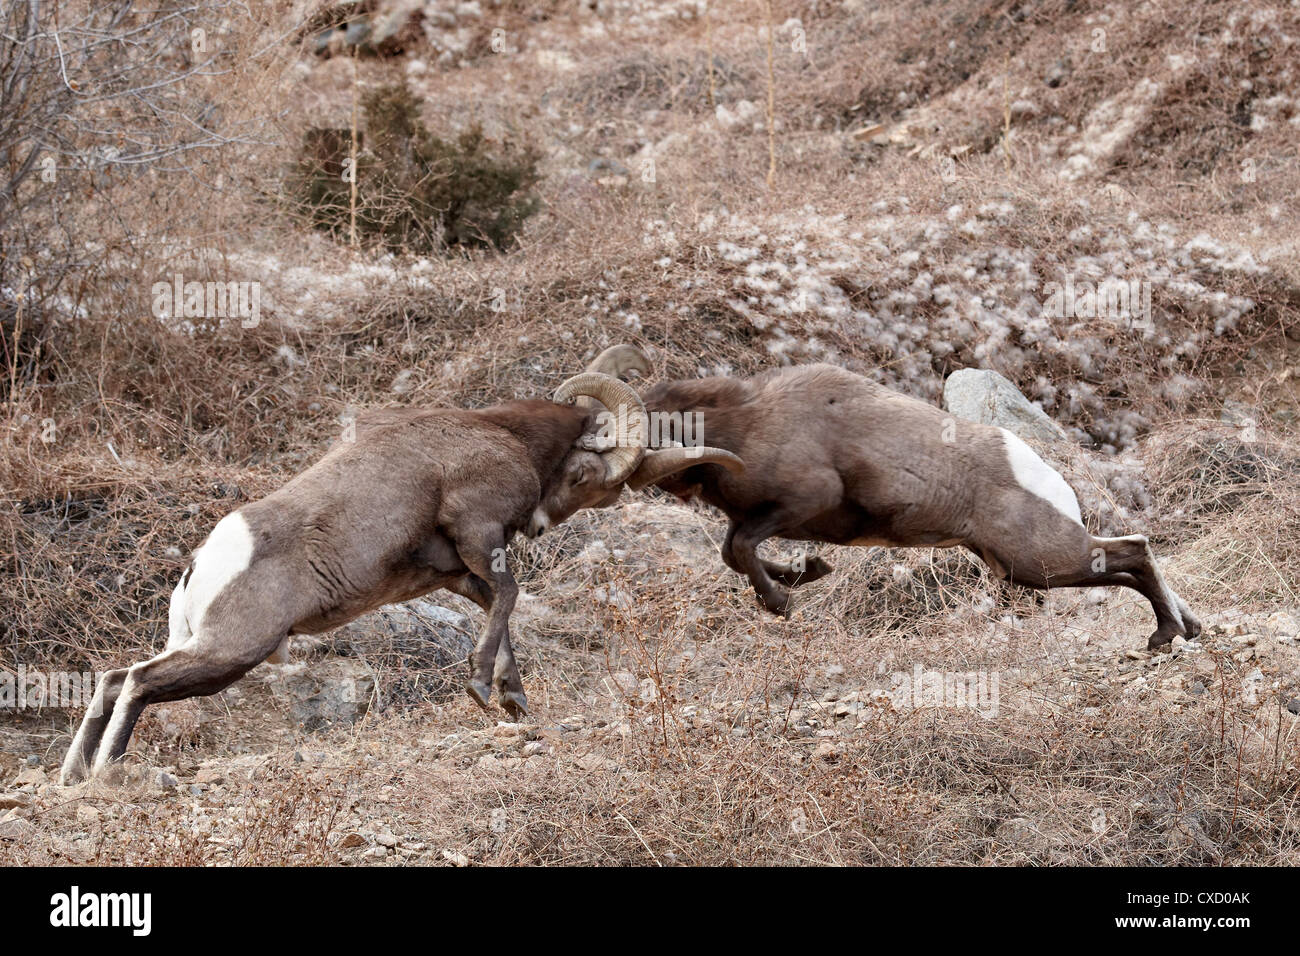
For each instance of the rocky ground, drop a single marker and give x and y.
(657, 730)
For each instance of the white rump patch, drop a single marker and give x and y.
(1039, 478)
(178, 627)
(222, 558)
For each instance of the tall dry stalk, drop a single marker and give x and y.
(708, 46)
(1006, 113)
(771, 100)
(352, 195)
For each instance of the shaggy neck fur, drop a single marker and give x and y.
(548, 431)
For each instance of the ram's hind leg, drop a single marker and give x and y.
(1132, 554)
(172, 675)
(81, 754)
(1079, 560)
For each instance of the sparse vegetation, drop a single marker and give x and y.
(415, 192)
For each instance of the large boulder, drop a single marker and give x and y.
(982, 395)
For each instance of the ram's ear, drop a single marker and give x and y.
(658, 465)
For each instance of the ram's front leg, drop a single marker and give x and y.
(492, 662)
(740, 552)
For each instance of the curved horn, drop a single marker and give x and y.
(622, 400)
(618, 360)
(658, 465)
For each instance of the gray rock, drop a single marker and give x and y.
(1293, 705)
(321, 41)
(33, 760)
(16, 828)
(328, 693)
(357, 32)
(982, 395)
(166, 781)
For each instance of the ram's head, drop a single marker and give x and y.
(613, 451)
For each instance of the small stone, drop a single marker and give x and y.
(34, 776)
(166, 781)
(196, 790)
(1293, 706)
(826, 751)
(10, 800)
(87, 814)
(1198, 688)
(352, 840)
(456, 859)
(1282, 624)
(33, 760)
(16, 828)
(386, 839)
(376, 853)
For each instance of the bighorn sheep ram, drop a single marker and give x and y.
(835, 458)
(421, 499)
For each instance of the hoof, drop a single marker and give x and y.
(515, 704)
(478, 692)
(70, 778)
(778, 604)
(1192, 627)
(1159, 642)
(815, 569)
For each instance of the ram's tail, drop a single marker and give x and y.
(179, 631)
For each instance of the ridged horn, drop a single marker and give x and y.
(659, 464)
(618, 360)
(630, 420)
